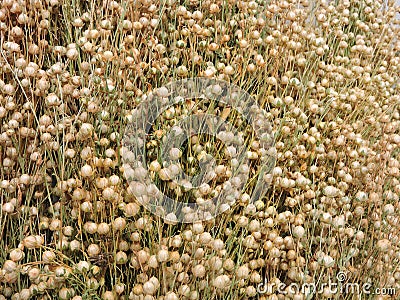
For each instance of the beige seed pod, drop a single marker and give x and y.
(176, 241)
(25, 179)
(162, 256)
(131, 209)
(171, 219)
(65, 293)
(72, 54)
(121, 257)
(197, 228)
(165, 174)
(221, 281)
(93, 250)
(149, 288)
(171, 296)
(83, 266)
(153, 262)
(119, 224)
(101, 183)
(109, 194)
(17, 255)
(92, 283)
(25, 294)
(103, 228)
(199, 271)
(86, 206)
(108, 295)
(383, 245)
(243, 272)
(205, 238)
(143, 257)
(218, 244)
(48, 256)
(175, 153)
(155, 166)
(8, 207)
(30, 242)
(33, 273)
(10, 266)
(298, 232)
(123, 245)
(10, 277)
(108, 55)
(55, 225)
(229, 264)
(90, 227)
(119, 288)
(86, 171)
(114, 180)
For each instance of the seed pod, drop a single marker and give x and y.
(65, 293)
(383, 245)
(33, 273)
(108, 295)
(25, 294)
(171, 296)
(162, 256)
(48, 256)
(74, 245)
(30, 242)
(103, 228)
(242, 272)
(199, 271)
(165, 174)
(121, 258)
(86, 171)
(10, 266)
(143, 257)
(8, 207)
(83, 266)
(93, 250)
(131, 209)
(153, 262)
(17, 255)
(119, 224)
(119, 288)
(149, 288)
(155, 166)
(221, 281)
(90, 227)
